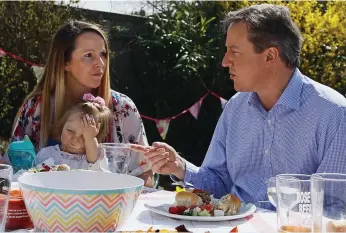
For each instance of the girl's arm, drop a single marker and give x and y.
(91, 129)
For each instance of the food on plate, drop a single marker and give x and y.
(200, 203)
(203, 195)
(189, 203)
(229, 203)
(47, 168)
(187, 199)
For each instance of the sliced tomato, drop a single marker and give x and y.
(173, 210)
(181, 209)
(208, 207)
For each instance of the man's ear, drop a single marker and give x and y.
(272, 54)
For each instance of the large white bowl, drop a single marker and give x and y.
(79, 201)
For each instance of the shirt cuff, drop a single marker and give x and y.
(190, 171)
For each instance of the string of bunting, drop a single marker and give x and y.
(162, 124)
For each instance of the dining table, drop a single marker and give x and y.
(142, 219)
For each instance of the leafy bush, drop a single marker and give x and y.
(26, 30)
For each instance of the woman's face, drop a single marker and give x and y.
(88, 62)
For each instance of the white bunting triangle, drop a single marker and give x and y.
(223, 102)
(38, 71)
(194, 109)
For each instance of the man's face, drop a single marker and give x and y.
(247, 69)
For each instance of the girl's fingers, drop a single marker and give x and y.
(92, 120)
(139, 148)
(85, 122)
(154, 153)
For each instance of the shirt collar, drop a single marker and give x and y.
(291, 95)
(253, 99)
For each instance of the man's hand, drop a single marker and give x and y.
(163, 159)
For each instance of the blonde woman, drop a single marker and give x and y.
(78, 63)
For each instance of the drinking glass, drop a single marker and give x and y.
(293, 203)
(119, 156)
(271, 191)
(328, 200)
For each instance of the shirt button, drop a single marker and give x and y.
(266, 151)
(269, 122)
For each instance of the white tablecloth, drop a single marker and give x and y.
(142, 219)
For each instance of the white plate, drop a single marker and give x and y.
(162, 209)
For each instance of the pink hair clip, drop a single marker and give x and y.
(90, 98)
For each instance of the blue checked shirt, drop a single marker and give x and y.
(305, 132)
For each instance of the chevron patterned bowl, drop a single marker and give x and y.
(79, 201)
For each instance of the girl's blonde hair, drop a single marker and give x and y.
(53, 79)
(101, 114)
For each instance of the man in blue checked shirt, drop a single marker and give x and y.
(280, 121)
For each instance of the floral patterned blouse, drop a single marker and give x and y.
(127, 127)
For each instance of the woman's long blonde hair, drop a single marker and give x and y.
(53, 79)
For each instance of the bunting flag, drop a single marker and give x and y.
(223, 102)
(38, 71)
(18, 58)
(194, 109)
(162, 126)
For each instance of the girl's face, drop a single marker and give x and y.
(72, 134)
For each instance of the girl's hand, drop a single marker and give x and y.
(91, 129)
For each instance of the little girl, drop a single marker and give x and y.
(81, 128)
